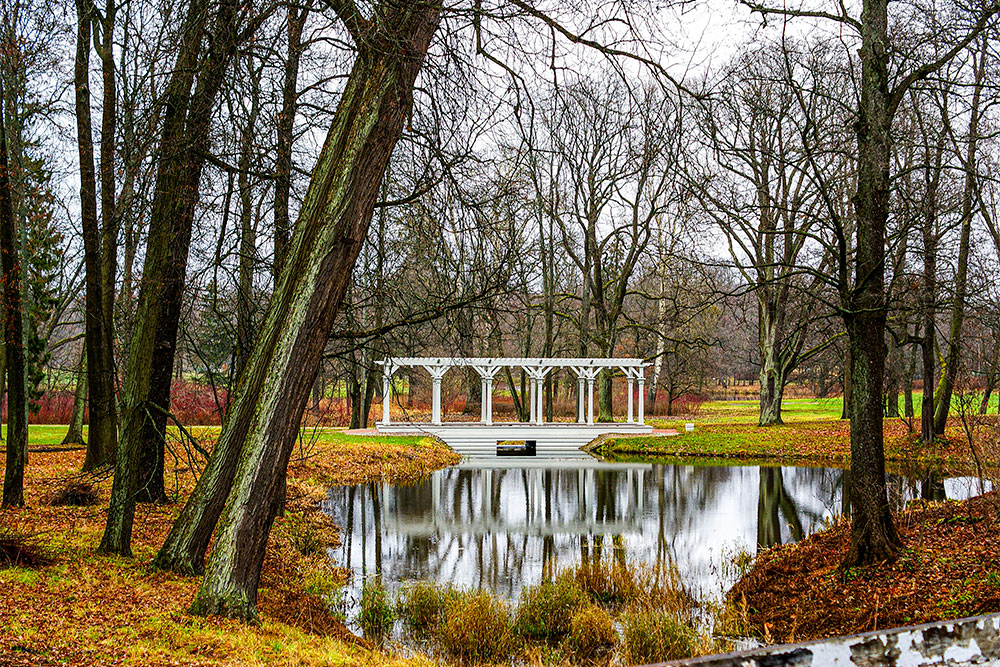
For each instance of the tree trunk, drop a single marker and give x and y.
(911, 371)
(17, 400)
(773, 370)
(109, 220)
(248, 231)
(74, 436)
(183, 146)
(954, 357)
(102, 433)
(892, 382)
(873, 535)
(261, 425)
(329, 234)
(605, 386)
(285, 131)
(845, 410)
(928, 296)
(991, 377)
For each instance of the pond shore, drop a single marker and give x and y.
(818, 441)
(73, 606)
(949, 568)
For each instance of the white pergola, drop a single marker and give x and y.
(535, 368)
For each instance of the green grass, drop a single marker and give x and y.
(44, 435)
(793, 410)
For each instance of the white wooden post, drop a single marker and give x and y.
(437, 372)
(482, 399)
(590, 399)
(489, 399)
(642, 398)
(386, 397)
(531, 406)
(540, 394)
(388, 369)
(436, 400)
(581, 416)
(631, 387)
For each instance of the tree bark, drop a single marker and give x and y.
(285, 131)
(262, 423)
(183, 146)
(103, 432)
(845, 411)
(928, 296)
(248, 231)
(329, 234)
(953, 359)
(873, 535)
(911, 371)
(74, 436)
(17, 400)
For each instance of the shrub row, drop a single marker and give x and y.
(585, 613)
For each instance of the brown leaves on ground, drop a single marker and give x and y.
(73, 606)
(949, 568)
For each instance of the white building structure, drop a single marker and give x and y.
(552, 438)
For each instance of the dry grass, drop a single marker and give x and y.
(81, 608)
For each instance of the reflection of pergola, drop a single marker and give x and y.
(537, 369)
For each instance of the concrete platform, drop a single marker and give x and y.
(553, 440)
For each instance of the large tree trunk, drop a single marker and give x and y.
(954, 357)
(772, 375)
(164, 271)
(262, 423)
(328, 237)
(13, 333)
(873, 535)
(102, 434)
(183, 145)
(74, 436)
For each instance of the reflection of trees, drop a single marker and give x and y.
(932, 487)
(503, 527)
(773, 500)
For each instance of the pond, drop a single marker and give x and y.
(501, 525)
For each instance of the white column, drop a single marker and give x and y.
(482, 400)
(590, 399)
(581, 415)
(631, 387)
(532, 406)
(386, 397)
(436, 400)
(642, 400)
(540, 395)
(489, 400)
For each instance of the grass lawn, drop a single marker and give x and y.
(46, 435)
(813, 431)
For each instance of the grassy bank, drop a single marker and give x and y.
(812, 433)
(61, 603)
(949, 568)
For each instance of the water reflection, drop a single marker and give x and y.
(501, 526)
